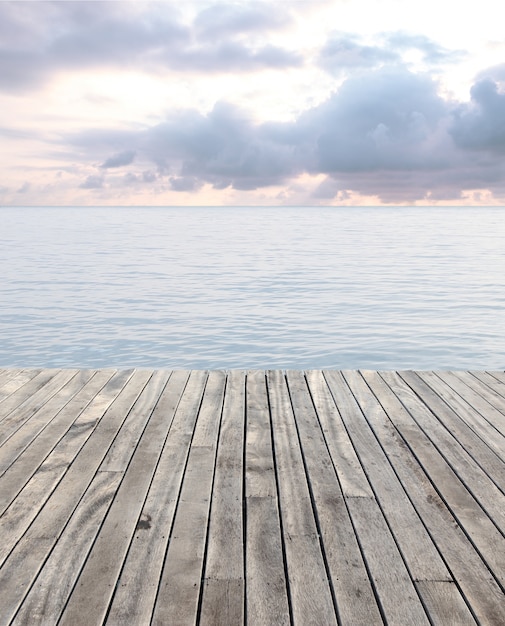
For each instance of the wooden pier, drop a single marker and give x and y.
(265, 497)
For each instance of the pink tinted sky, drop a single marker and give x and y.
(253, 103)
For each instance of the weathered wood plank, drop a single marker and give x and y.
(179, 590)
(382, 541)
(12, 380)
(224, 585)
(18, 516)
(487, 458)
(120, 452)
(351, 475)
(138, 583)
(444, 603)
(26, 392)
(488, 433)
(57, 445)
(259, 498)
(267, 595)
(310, 592)
(89, 601)
(28, 555)
(31, 405)
(489, 404)
(487, 494)
(354, 596)
(363, 415)
(465, 564)
(22, 438)
(52, 587)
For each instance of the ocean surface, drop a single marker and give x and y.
(224, 288)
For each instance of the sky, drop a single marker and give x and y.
(299, 103)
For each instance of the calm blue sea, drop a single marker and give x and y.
(378, 288)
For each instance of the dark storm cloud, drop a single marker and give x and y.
(62, 36)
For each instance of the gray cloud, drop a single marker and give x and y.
(231, 19)
(481, 125)
(92, 182)
(185, 183)
(432, 52)
(384, 119)
(343, 52)
(119, 159)
(25, 187)
(56, 36)
(385, 132)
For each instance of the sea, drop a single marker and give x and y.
(253, 287)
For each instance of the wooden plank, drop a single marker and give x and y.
(235, 503)
(25, 392)
(485, 456)
(28, 555)
(223, 590)
(354, 596)
(489, 404)
(12, 380)
(487, 494)
(137, 586)
(89, 601)
(493, 438)
(179, 590)
(400, 602)
(22, 438)
(120, 452)
(351, 475)
(362, 412)
(24, 509)
(491, 382)
(62, 438)
(18, 416)
(444, 603)
(52, 587)
(464, 563)
(6, 375)
(384, 543)
(267, 594)
(310, 592)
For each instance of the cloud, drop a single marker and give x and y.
(92, 182)
(224, 20)
(480, 125)
(344, 52)
(432, 52)
(386, 133)
(52, 37)
(25, 187)
(119, 159)
(185, 183)
(387, 119)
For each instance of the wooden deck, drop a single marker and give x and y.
(321, 497)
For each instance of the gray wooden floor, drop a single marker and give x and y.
(318, 497)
